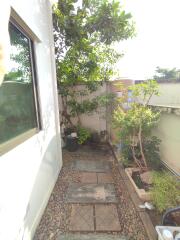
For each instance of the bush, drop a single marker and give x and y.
(127, 158)
(83, 134)
(165, 191)
(151, 150)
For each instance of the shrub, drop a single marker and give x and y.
(137, 121)
(151, 150)
(165, 191)
(127, 158)
(83, 134)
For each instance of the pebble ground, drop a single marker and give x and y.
(55, 219)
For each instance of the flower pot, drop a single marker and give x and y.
(72, 143)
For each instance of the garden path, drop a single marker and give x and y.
(90, 201)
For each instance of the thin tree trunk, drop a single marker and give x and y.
(79, 119)
(141, 147)
(138, 162)
(134, 157)
(64, 111)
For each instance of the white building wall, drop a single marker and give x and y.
(29, 171)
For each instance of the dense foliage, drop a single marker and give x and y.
(135, 123)
(151, 151)
(165, 191)
(83, 134)
(83, 44)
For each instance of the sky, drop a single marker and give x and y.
(158, 38)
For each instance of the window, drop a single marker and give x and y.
(19, 115)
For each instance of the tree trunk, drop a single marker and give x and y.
(65, 112)
(141, 147)
(135, 158)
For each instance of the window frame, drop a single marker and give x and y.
(15, 141)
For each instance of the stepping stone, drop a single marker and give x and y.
(107, 218)
(91, 193)
(81, 218)
(91, 166)
(88, 177)
(105, 178)
(90, 237)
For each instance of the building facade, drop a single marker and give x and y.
(30, 145)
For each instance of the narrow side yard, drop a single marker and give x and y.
(90, 197)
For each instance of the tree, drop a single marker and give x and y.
(83, 46)
(21, 72)
(165, 74)
(136, 123)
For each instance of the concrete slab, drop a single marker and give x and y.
(91, 165)
(107, 218)
(90, 237)
(88, 177)
(91, 193)
(105, 178)
(81, 218)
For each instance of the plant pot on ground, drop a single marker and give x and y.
(69, 130)
(72, 143)
(98, 141)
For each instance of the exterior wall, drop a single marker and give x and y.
(168, 131)
(169, 95)
(116, 88)
(95, 121)
(29, 171)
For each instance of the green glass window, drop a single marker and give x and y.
(18, 94)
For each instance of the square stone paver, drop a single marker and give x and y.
(88, 177)
(105, 178)
(107, 218)
(91, 165)
(81, 218)
(91, 193)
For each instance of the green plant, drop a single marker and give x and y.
(151, 150)
(83, 134)
(84, 38)
(137, 122)
(165, 191)
(127, 158)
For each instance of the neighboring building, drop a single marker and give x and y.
(30, 147)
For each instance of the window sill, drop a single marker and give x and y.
(9, 145)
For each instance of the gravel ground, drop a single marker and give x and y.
(56, 216)
(131, 223)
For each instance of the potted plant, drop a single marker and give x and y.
(134, 124)
(77, 136)
(83, 134)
